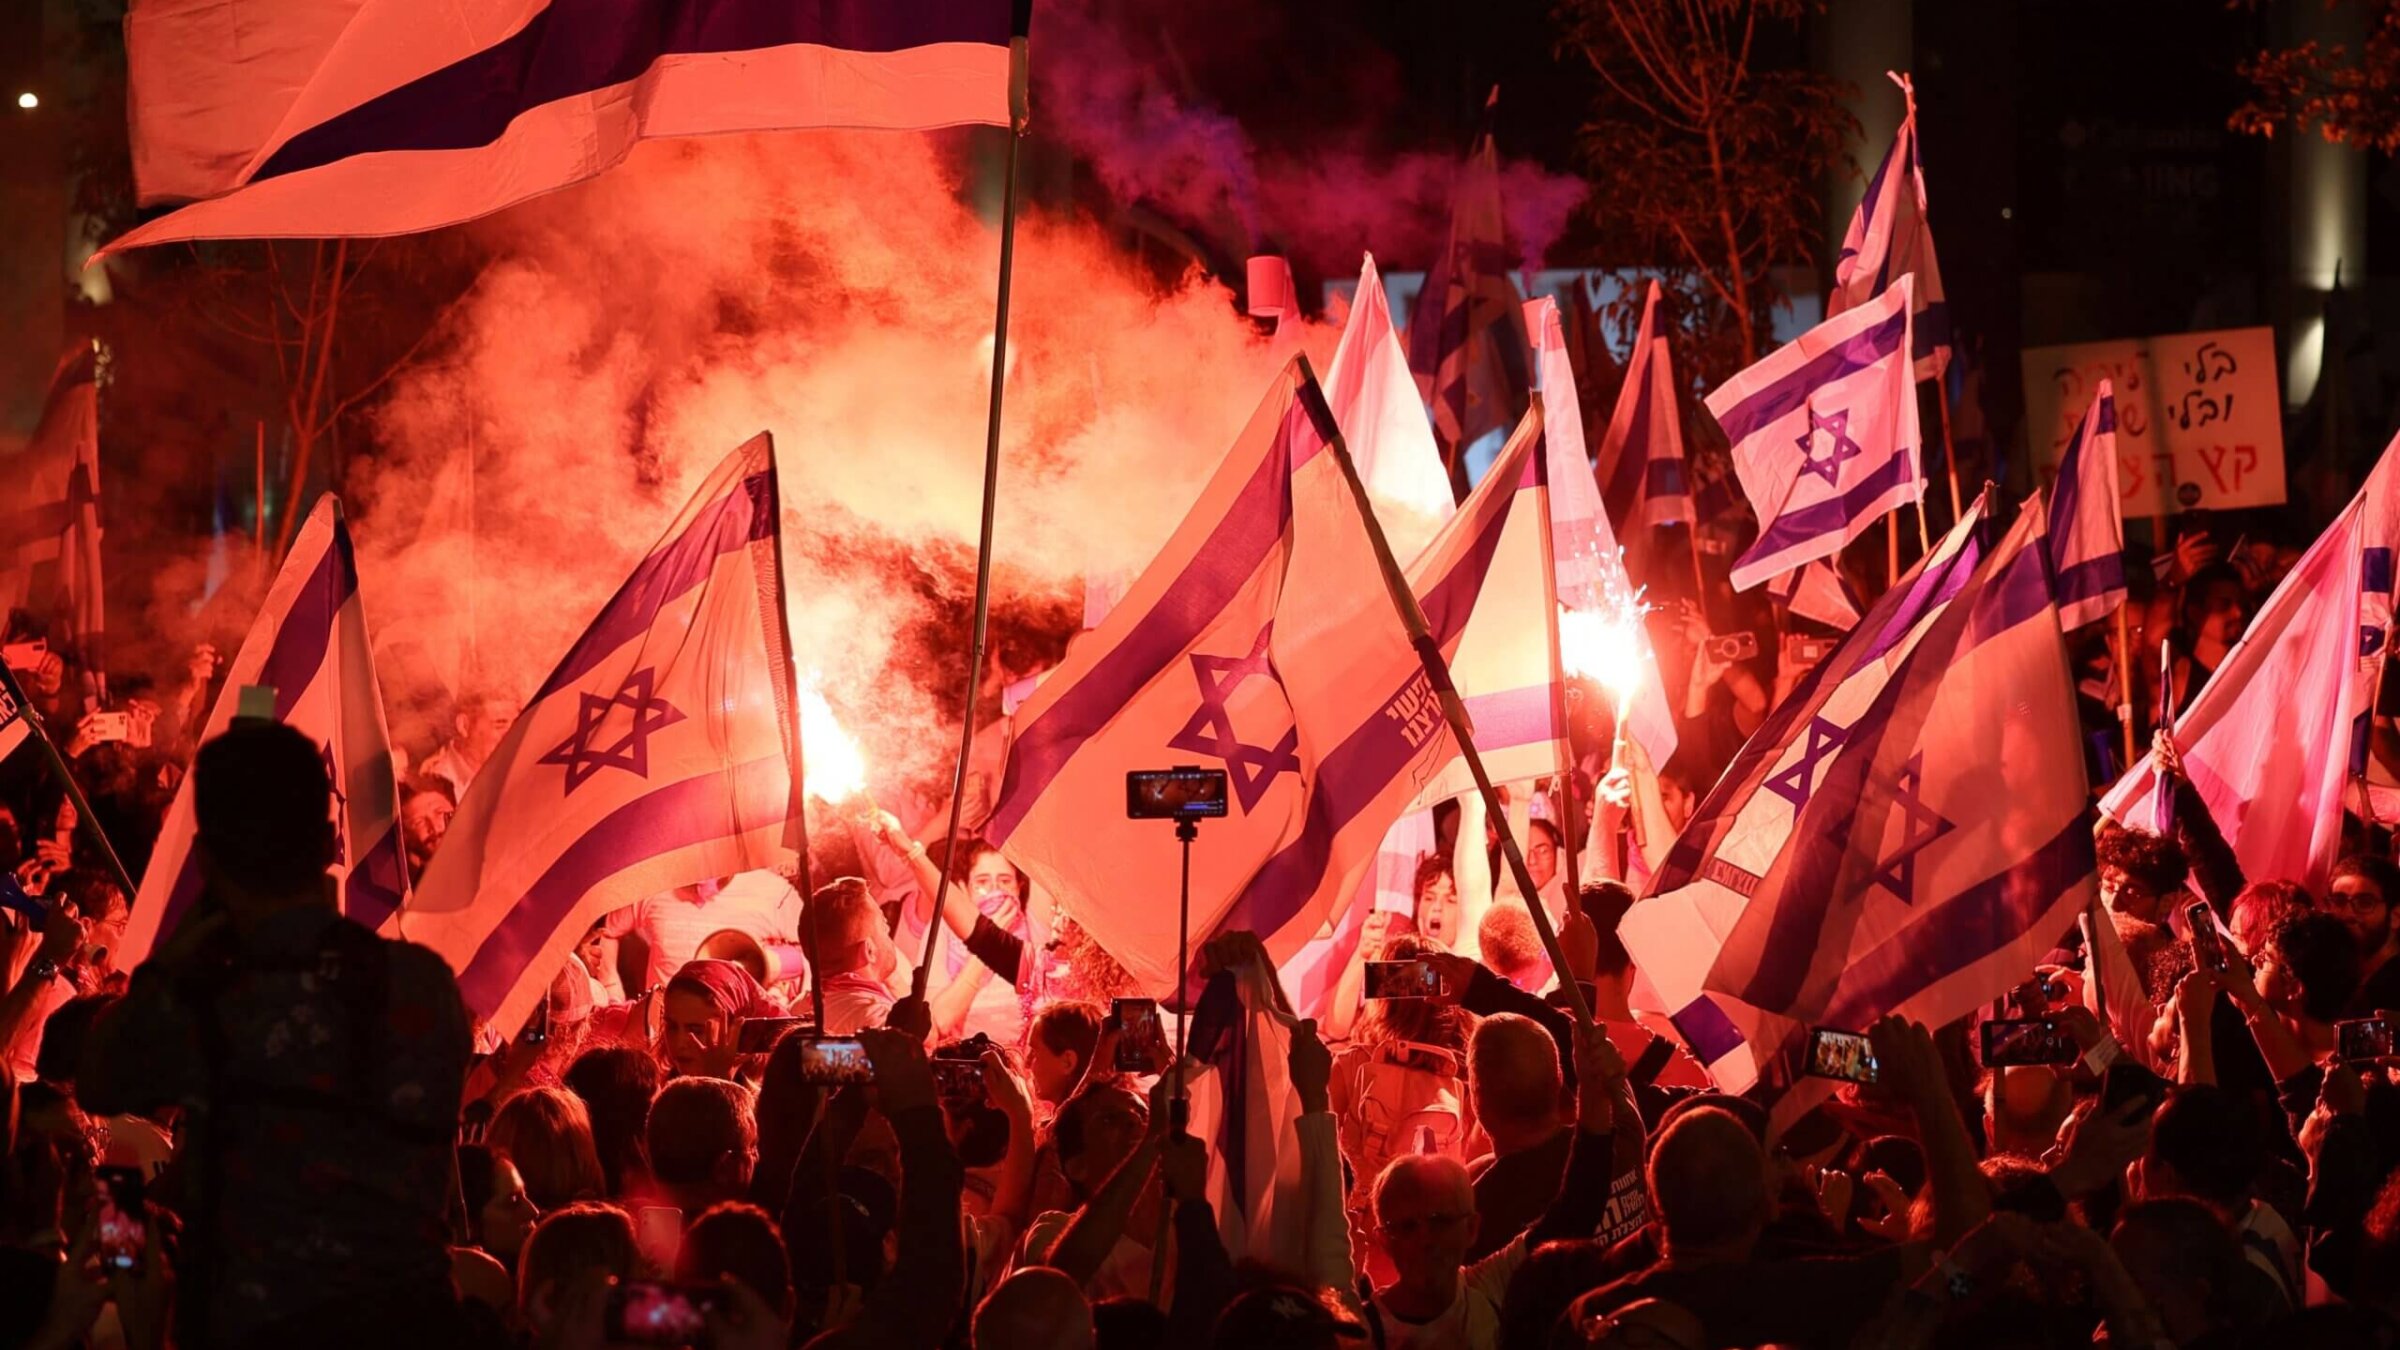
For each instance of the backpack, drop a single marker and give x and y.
(1408, 1097)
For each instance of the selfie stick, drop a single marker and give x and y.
(14, 696)
(1437, 670)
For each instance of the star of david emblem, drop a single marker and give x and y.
(1797, 783)
(1920, 825)
(341, 805)
(1252, 769)
(631, 752)
(1841, 449)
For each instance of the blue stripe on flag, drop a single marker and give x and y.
(290, 668)
(685, 813)
(1705, 1028)
(2375, 570)
(1854, 354)
(1832, 515)
(2091, 578)
(1219, 567)
(577, 47)
(1981, 920)
(741, 518)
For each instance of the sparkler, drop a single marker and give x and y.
(836, 768)
(1606, 644)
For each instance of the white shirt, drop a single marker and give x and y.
(760, 904)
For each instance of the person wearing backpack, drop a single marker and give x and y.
(320, 1069)
(1400, 1089)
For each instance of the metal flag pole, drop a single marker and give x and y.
(787, 686)
(1017, 117)
(1437, 673)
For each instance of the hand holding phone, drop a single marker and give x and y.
(834, 1061)
(759, 1034)
(1403, 979)
(1842, 1055)
(2208, 945)
(1141, 1039)
(123, 1218)
(2022, 1042)
(2364, 1039)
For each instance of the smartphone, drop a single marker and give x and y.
(109, 726)
(1402, 979)
(1141, 1040)
(644, 1312)
(122, 1213)
(658, 1235)
(25, 656)
(1808, 651)
(834, 1060)
(2208, 945)
(2038, 995)
(2017, 1042)
(1180, 793)
(1742, 646)
(13, 896)
(759, 1034)
(2364, 1038)
(958, 1080)
(2126, 1081)
(1843, 1055)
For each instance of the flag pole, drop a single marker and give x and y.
(1941, 400)
(977, 646)
(1437, 673)
(12, 691)
(2125, 680)
(795, 749)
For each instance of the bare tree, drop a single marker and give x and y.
(1706, 147)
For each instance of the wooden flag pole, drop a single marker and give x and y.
(977, 645)
(1437, 673)
(1891, 550)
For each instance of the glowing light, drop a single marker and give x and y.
(836, 767)
(1606, 646)
(29, 100)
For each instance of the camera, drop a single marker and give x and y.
(1181, 793)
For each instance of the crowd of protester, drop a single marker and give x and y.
(284, 1130)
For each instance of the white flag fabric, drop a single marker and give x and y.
(1589, 564)
(657, 754)
(1906, 834)
(316, 118)
(310, 645)
(1817, 591)
(2087, 525)
(1260, 640)
(2274, 740)
(1824, 435)
(1889, 238)
(1374, 398)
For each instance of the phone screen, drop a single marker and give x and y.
(2024, 1041)
(2365, 1038)
(1141, 1040)
(835, 1060)
(2208, 945)
(1843, 1055)
(642, 1312)
(121, 1217)
(1402, 979)
(958, 1080)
